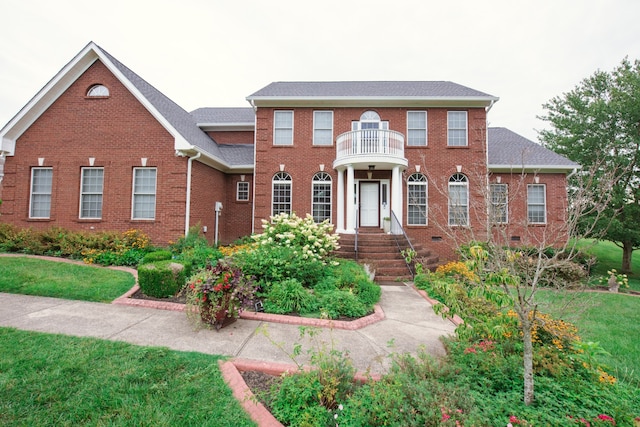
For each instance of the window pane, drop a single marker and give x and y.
(91, 193)
(457, 128)
(283, 128)
(41, 182)
(321, 194)
(499, 203)
(458, 200)
(144, 193)
(536, 204)
(242, 194)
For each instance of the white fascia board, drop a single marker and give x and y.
(533, 168)
(460, 101)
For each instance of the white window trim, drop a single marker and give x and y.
(289, 182)
(82, 194)
(238, 184)
(275, 129)
(466, 129)
(316, 128)
(325, 182)
(133, 195)
(31, 193)
(426, 128)
(449, 204)
(424, 184)
(544, 204)
(505, 203)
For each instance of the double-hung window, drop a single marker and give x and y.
(417, 128)
(242, 191)
(458, 200)
(283, 127)
(281, 193)
(144, 193)
(91, 188)
(322, 127)
(457, 129)
(417, 199)
(536, 204)
(40, 198)
(499, 207)
(321, 197)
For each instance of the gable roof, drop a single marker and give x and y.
(508, 151)
(189, 138)
(371, 92)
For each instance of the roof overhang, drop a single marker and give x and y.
(372, 101)
(213, 161)
(533, 168)
(228, 127)
(10, 133)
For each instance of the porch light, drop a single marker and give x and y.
(370, 173)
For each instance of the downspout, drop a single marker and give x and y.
(187, 212)
(255, 158)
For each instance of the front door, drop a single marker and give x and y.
(369, 204)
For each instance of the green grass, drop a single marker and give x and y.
(610, 257)
(30, 276)
(55, 380)
(613, 320)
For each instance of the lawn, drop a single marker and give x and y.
(30, 276)
(55, 380)
(610, 257)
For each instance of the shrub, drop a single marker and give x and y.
(289, 296)
(342, 303)
(161, 279)
(161, 255)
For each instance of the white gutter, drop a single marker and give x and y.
(187, 211)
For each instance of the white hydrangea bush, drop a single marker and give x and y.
(312, 240)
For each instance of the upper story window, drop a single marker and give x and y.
(98, 91)
(536, 204)
(91, 188)
(416, 128)
(458, 200)
(283, 128)
(499, 203)
(417, 199)
(457, 129)
(322, 127)
(40, 200)
(369, 120)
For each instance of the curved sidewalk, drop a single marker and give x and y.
(409, 323)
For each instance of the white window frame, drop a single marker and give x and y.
(85, 194)
(278, 130)
(413, 129)
(417, 182)
(318, 130)
(499, 208)
(457, 181)
(321, 179)
(98, 91)
(43, 193)
(454, 130)
(135, 215)
(281, 182)
(242, 194)
(530, 204)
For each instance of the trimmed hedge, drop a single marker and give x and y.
(161, 279)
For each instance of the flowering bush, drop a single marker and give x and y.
(456, 269)
(218, 292)
(309, 239)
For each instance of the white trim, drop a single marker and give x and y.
(544, 195)
(82, 170)
(238, 199)
(426, 128)
(155, 195)
(314, 129)
(275, 113)
(33, 169)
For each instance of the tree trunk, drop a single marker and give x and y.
(627, 253)
(528, 361)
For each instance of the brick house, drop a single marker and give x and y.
(99, 148)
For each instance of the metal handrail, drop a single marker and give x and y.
(357, 222)
(398, 233)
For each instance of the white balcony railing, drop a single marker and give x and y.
(370, 141)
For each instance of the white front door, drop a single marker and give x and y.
(369, 204)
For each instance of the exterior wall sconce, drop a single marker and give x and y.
(370, 172)
(499, 179)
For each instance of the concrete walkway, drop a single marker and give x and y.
(409, 323)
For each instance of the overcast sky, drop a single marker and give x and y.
(214, 53)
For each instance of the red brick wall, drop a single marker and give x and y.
(232, 137)
(117, 131)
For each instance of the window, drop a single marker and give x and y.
(499, 207)
(457, 128)
(458, 200)
(98, 90)
(40, 200)
(281, 193)
(242, 192)
(416, 128)
(536, 204)
(322, 127)
(417, 199)
(91, 187)
(144, 193)
(283, 128)
(321, 196)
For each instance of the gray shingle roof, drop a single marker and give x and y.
(238, 154)
(507, 149)
(429, 89)
(221, 116)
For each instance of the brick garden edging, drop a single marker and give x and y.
(455, 319)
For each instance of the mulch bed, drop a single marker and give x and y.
(260, 384)
(180, 299)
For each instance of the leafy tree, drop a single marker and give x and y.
(598, 123)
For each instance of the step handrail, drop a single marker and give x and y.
(399, 233)
(355, 246)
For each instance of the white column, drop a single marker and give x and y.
(396, 193)
(351, 211)
(340, 203)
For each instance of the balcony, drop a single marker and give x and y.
(370, 146)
